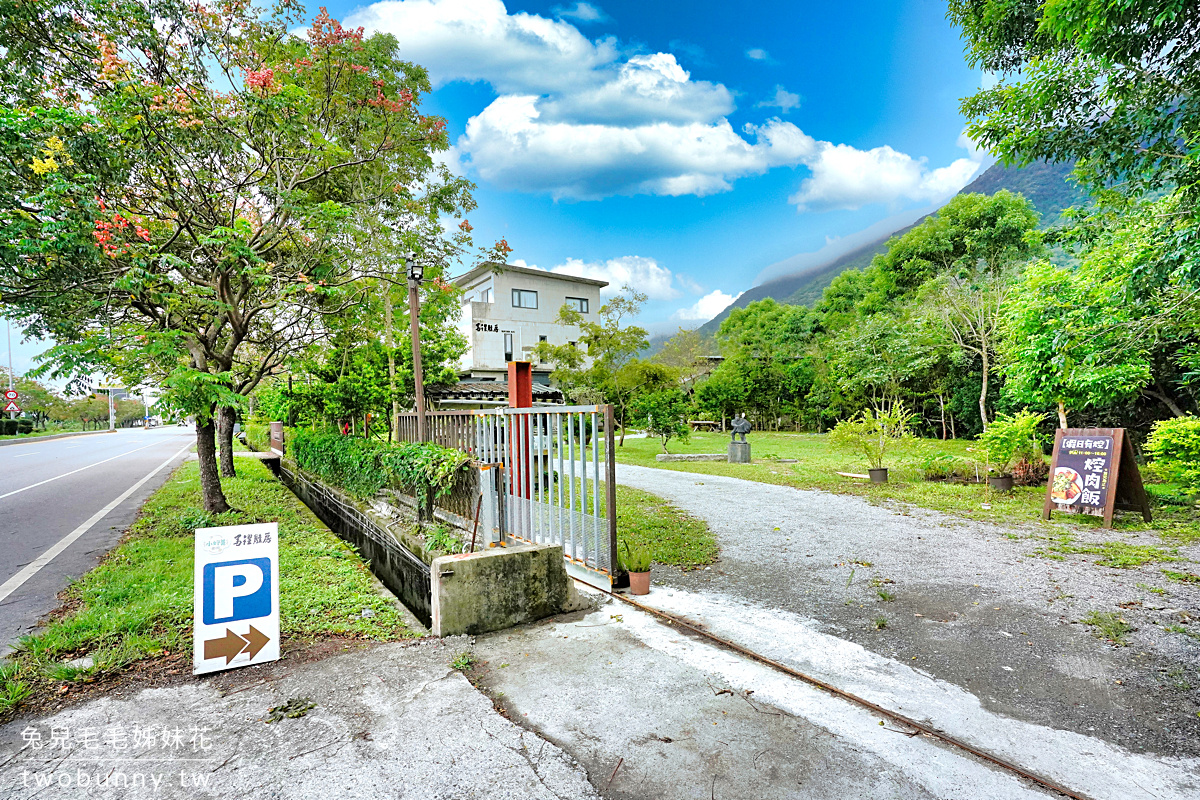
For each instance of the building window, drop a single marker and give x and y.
(580, 304)
(486, 295)
(541, 338)
(508, 347)
(523, 298)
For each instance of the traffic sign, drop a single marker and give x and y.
(11, 394)
(12, 407)
(236, 605)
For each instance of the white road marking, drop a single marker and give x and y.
(34, 453)
(35, 566)
(72, 472)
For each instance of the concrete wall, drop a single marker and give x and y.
(475, 593)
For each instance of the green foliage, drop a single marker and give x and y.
(1009, 437)
(1174, 446)
(666, 413)
(633, 558)
(364, 467)
(1067, 339)
(463, 661)
(873, 434)
(439, 539)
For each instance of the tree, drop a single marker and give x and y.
(1109, 85)
(609, 344)
(666, 413)
(211, 182)
(690, 355)
(1066, 343)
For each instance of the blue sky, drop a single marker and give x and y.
(691, 148)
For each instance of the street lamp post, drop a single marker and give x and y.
(415, 273)
(8, 325)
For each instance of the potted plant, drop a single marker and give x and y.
(636, 561)
(1006, 439)
(872, 435)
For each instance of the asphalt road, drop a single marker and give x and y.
(64, 503)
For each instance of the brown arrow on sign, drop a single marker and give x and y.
(257, 639)
(228, 647)
(231, 645)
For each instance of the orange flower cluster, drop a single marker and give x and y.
(327, 31)
(109, 234)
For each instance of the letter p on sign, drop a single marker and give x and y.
(236, 615)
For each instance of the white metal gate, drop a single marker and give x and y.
(556, 481)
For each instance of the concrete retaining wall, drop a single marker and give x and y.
(691, 457)
(475, 593)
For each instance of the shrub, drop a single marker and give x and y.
(1008, 437)
(1174, 445)
(873, 435)
(364, 467)
(258, 436)
(8, 427)
(24, 426)
(1030, 471)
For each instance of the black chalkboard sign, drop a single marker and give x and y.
(1094, 472)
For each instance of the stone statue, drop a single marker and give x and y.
(739, 426)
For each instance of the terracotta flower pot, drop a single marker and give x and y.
(878, 475)
(639, 583)
(1001, 483)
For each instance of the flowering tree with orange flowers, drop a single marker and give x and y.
(183, 185)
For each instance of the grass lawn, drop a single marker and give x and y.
(137, 604)
(818, 462)
(673, 536)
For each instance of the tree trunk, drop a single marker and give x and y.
(1159, 394)
(210, 478)
(1062, 415)
(225, 419)
(983, 391)
(387, 321)
(942, 407)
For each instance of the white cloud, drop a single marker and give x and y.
(579, 118)
(512, 147)
(784, 100)
(643, 274)
(478, 40)
(846, 177)
(706, 307)
(580, 12)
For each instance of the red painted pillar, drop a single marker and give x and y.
(520, 384)
(520, 395)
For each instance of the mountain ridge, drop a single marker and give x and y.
(1043, 184)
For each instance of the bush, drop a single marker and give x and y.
(364, 467)
(8, 427)
(24, 426)
(1031, 470)
(1174, 446)
(258, 436)
(1009, 437)
(873, 435)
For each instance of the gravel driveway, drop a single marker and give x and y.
(970, 603)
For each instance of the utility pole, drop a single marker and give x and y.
(415, 273)
(8, 325)
(112, 414)
(393, 424)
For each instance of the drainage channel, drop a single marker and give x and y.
(919, 727)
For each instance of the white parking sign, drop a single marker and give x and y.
(236, 614)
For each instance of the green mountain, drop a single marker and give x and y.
(1045, 185)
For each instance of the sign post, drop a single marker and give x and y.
(236, 606)
(10, 402)
(1094, 472)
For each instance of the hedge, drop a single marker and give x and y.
(365, 466)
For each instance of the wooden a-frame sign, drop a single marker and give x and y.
(1093, 471)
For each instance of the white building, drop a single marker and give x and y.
(507, 310)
